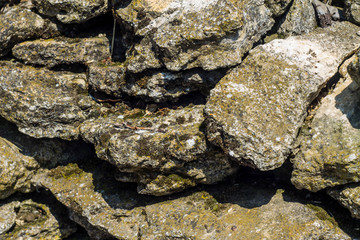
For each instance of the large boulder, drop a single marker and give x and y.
(16, 169)
(255, 112)
(71, 11)
(164, 154)
(185, 34)
(19, 23)
(118, 212)
(44, 103)
(62, 50)
(329, 152)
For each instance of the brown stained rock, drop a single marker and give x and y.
(44, 103)
(185, 34)
(106, 213)
(57, 51)
(19, 23)
(16, 170)
(255, 112)
(329, 150)
(71, 11)
(164, 154)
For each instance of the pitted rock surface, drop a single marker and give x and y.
(165, 153)
(185, 34)
(348, 196)
(52, 52)
(44, 103)
(255, 112)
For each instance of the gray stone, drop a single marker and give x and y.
(255, 112)
(71, 11)
(57, 51)
(19, 23)
(185, 34)
(164, 154)
(16, 170)
(45, 103)
(354, 69)
(352, 11)
(329, 153)
(348, 196)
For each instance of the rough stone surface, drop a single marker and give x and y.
(16, 169)
(352, 11)
(57, 51)
(354, 69)
(71, 11)
(164, 153)
(31, 220)
(348, 196)
(197, 215)
(329, 152)
(44, 103)
(254, 112)
(185, 34)
(299, 20)
(19, 23)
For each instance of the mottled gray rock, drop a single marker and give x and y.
(254, 112)
(165, 154)
(44, 103)
(71, 11)
(57, 51)
(32, 220)
(354, 69)
(16, 170)
(299, 20)
(19, 23)
(107, 213)
(329, 153)
(278, 7)
(352, 11)
(325, 13)
(185, 34)
(348, 196)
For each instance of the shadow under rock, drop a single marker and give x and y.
(348, 102)
(49, 153)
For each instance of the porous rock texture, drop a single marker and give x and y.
(52, 52)
(352, 11)
(329, 146)
(44, 103)
(254, 113)
(110, 213)
(185, 34)
(348, 196)
(165, 154)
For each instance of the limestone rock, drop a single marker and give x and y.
(16, 169)
(352, 11)
(185, 34)
(354, 69)
(32, 220)
(18, 24)
(299, 20)
(148, 147)
(254, 112)
(57, 51)
(329, 153)
(44, 103)
(278, 7)
(72, 11)
(348, 196)
(196, 215)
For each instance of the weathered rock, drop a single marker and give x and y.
(31, 220)
(71, 11)
(348, 196)
(299, 20)
(254, 113)
(354, 68)
(278, 7)
(44, 103)
(185, 34)
(352, 11)
(18, 24)
(329, 153)
(57, 51)
(196, 216)
(16, 169)
(164, 153)
(325, 13)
